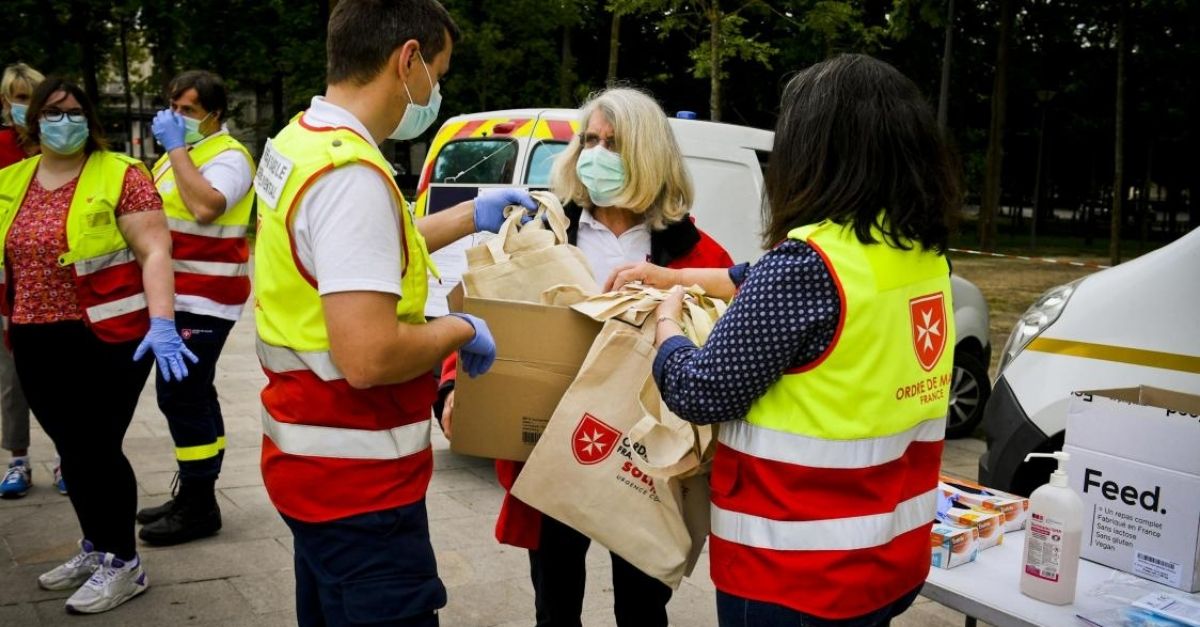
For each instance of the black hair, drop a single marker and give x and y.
(363, 34)
(41, 99)
(210, 91)
(857, 144)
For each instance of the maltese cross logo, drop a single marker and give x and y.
(593, 441)
(928, 316)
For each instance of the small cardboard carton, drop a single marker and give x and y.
(969, 494)
(953, 545)
(1135, 463)
(990, 525)
(539, 349)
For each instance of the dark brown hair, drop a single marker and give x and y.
(53, 85)
(857, 144)
(364, 33)
(210, 91)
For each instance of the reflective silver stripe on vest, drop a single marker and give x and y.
(207, 307)
(836, 534)
(283, 359)
(314, 441)
(223, 231)
(112, 309)
(805, 450)
(212, 268)
(96, 264)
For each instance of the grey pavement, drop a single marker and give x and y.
(243, 576)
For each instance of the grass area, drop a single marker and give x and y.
(1072, 246)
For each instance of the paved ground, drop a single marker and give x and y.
(243, 576)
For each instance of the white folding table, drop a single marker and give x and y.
(988, 589)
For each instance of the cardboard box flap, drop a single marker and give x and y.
(1153, 397)
(1149, 425)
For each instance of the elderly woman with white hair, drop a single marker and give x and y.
(627, 194)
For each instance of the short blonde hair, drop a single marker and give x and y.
(657, 183)
(19, 72)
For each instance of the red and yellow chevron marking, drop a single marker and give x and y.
(562, 130)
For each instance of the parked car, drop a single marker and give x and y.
(971, 386)
(726, 162)
(1134, 324)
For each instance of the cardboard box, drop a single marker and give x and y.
(969, 494)
(539, 349)
(1135, 462)
(953, 545)
(990, 525)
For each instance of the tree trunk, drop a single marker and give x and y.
(714, 61)
(944, 91)
(1146, 215)
(995, 152)
(566, 70)
(277, 115)
(1114, 242)
(125, 84)
(614, 48)
(80, 22)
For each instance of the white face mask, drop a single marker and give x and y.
(417, 117)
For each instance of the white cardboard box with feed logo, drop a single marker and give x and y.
(539, 349)
(1135, 461)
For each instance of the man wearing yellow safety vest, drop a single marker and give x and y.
(204, 178)
(341, 266)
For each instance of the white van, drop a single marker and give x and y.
(1135, 324)
(726, 163)
(518, 147)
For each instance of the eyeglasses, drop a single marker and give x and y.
(591, 140)
(54, 115)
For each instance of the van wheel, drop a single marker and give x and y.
(969, 392)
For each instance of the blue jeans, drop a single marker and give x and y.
(734, 611)
(371, 569)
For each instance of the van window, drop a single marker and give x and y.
(541, 159)
(476, 161)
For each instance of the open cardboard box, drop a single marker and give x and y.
(539, 349)
(1135, 462)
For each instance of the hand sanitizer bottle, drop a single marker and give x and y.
(1051, 559)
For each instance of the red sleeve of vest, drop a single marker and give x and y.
(707, 253)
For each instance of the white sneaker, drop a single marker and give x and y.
(113, 583)
(75, 571)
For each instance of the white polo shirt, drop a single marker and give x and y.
(228, 172)
(605, 251)
(347, 227)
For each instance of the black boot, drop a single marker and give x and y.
(194, 515)
(147, 515)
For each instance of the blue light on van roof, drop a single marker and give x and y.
(686, 115)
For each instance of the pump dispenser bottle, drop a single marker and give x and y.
(1051, 559)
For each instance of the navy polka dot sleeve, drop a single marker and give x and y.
(784, 316)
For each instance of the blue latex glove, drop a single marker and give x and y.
(168, 348)
(490, 204)
(169, 129)
(478, 354)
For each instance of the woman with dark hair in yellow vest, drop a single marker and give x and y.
(824, 481)
(87, 269)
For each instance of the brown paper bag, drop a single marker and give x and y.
(521, 262)
(582, 471)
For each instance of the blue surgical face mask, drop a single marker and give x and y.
(64, 136)
(192, 127)
(602, 173)
(417, 117)
(18, 114)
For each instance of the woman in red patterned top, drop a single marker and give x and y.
(87, 260)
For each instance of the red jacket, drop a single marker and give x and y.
(10, 146)
(680, 245)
